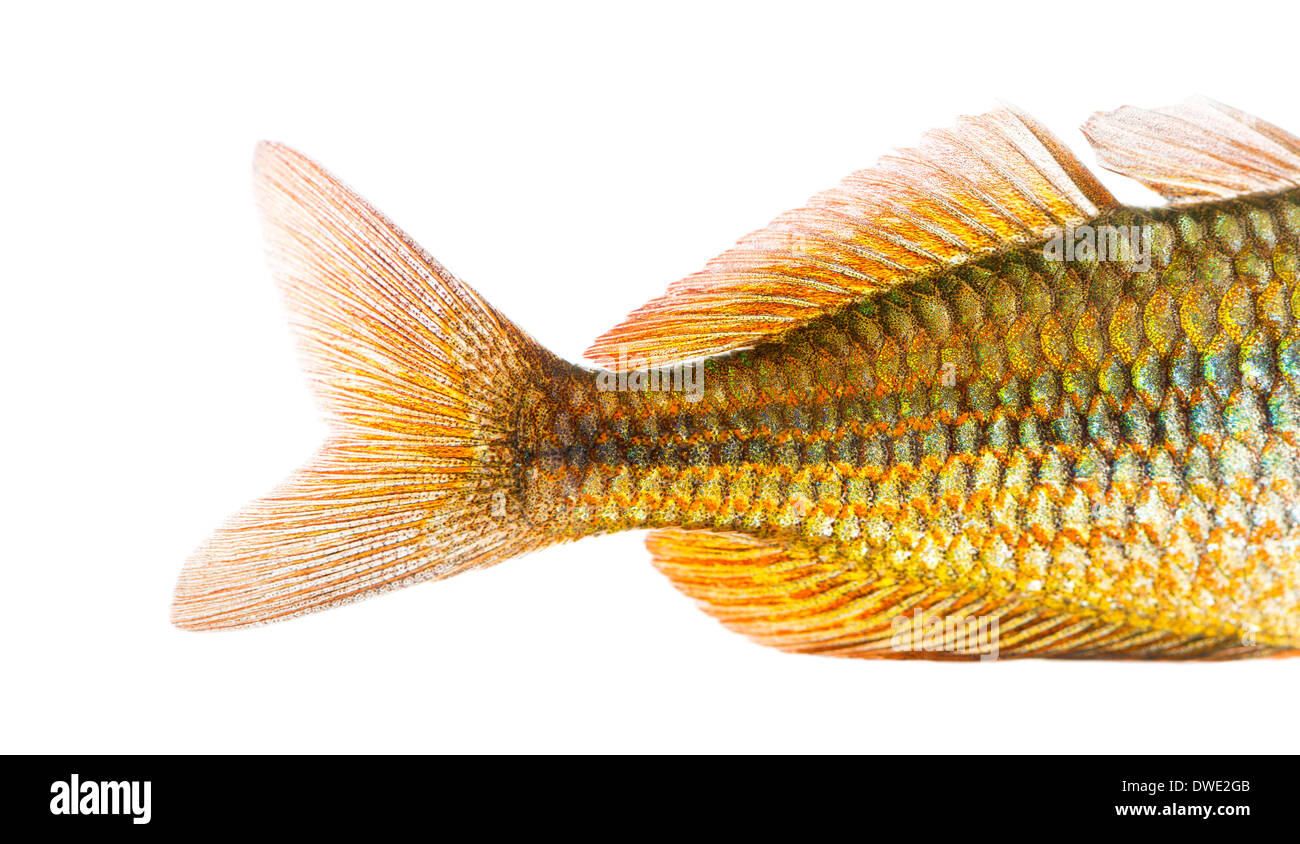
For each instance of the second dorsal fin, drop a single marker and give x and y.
(1197, 150)
(989, 183)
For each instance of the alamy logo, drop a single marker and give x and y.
(74, 797)
(639, 374)
(973, 635)
(1122, 244)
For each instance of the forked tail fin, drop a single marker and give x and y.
(421, 379)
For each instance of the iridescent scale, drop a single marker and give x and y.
(1117, 442)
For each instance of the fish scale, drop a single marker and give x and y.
(912, 402)
(1110, 436)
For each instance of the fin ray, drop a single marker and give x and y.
(788, 599)
(991, 182)
(419, 378)
(1197, 150)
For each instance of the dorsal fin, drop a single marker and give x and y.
(989, 183)
(1196, 150)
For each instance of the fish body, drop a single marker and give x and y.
(966, 391)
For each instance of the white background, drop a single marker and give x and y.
(568, 164)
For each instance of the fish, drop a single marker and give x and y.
(963, 405)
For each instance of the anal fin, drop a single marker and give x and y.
(783, 596)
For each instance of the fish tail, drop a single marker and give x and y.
(421, 380)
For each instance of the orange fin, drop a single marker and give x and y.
(787, 598)
(1196, 150)
(987, 184)
(419, 377)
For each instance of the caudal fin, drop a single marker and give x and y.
(420, 378)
